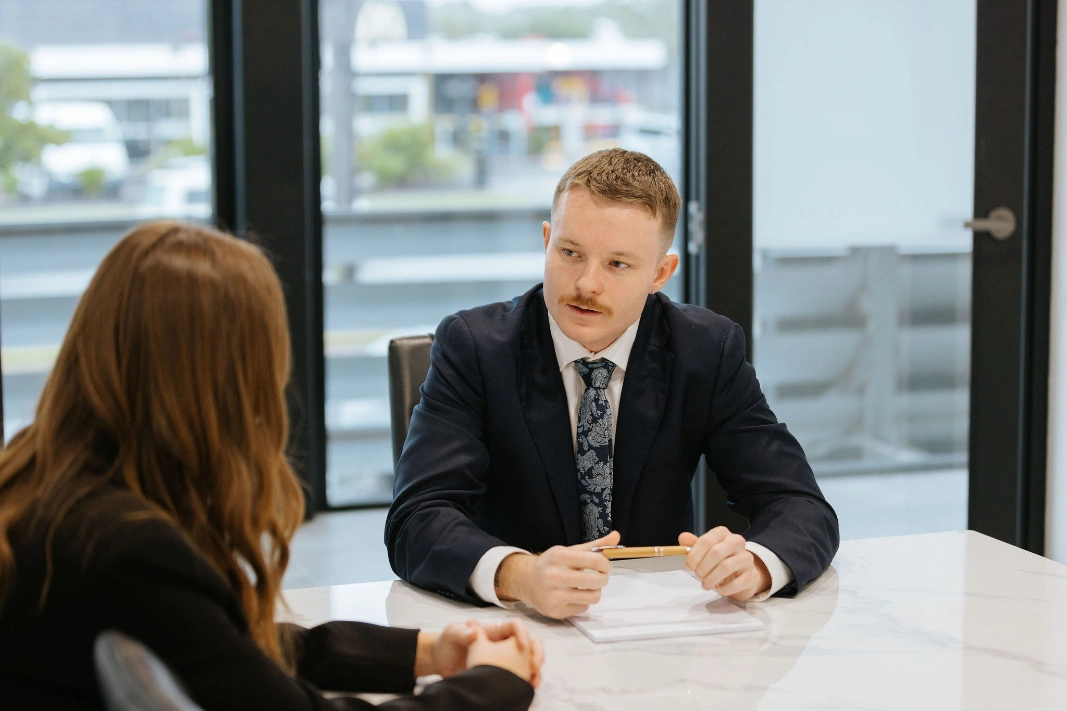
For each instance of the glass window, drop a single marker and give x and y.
(90, 157)
(445, 127)
(864, 172)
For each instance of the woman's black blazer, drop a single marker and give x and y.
(113, 570)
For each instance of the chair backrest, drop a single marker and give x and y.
(409, 362)
(133, 679)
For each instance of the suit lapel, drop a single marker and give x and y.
(641, 406)
(544, 404)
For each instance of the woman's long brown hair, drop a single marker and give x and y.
(171, 383)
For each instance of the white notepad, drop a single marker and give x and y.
(668, 604)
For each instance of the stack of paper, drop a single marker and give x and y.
(669, 604)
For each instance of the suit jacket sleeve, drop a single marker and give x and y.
(441, 476)
(764, 472)
(161, 592)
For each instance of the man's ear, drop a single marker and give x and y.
(546, 230)
(667, 266)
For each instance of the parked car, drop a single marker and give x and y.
(94, 141)
(182, 188)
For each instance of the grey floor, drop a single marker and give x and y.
(348, 547)
(339, 548)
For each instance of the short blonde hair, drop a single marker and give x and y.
(619, 175)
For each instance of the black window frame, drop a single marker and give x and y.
(265, 66)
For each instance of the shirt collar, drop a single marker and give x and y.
(568, 351)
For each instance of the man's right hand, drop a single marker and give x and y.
(560, 582)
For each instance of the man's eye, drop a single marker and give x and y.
(619, 265)
(569, 252)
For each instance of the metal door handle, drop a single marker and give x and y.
(1000, 223)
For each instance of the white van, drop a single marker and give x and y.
(94, 140)
(182, 188)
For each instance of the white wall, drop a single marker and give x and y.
(1056, 507)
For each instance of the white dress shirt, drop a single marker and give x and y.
(568, 351)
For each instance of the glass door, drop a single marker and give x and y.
(863, 179)
(837, 150)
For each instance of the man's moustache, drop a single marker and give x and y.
(586, 303)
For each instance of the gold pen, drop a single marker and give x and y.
(614, 552)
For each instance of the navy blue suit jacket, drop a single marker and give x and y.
(489, 457)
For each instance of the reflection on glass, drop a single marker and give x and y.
(864, 170)
(104, 121)
(445, 127)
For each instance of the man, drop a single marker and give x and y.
(575, 415)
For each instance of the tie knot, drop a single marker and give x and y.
(595, 373)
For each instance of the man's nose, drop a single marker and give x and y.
(590, 281)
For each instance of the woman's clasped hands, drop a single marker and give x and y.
(505, 644)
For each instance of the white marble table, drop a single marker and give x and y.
(935, 621)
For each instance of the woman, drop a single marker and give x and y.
(152, 495)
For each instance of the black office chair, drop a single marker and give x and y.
(133, 679)
(409, 362)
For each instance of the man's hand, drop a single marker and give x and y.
(720, 561)
(560, 582)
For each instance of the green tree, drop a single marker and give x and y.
(91, 181)
(21, 139)
(403, 156)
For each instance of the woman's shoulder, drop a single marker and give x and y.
(112, 528)
(117, 518)
(110, 544)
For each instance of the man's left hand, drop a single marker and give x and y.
(720, 561)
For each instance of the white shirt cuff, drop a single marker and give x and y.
(781, 575)
(481, 580)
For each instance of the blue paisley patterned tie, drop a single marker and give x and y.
(593, 453)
